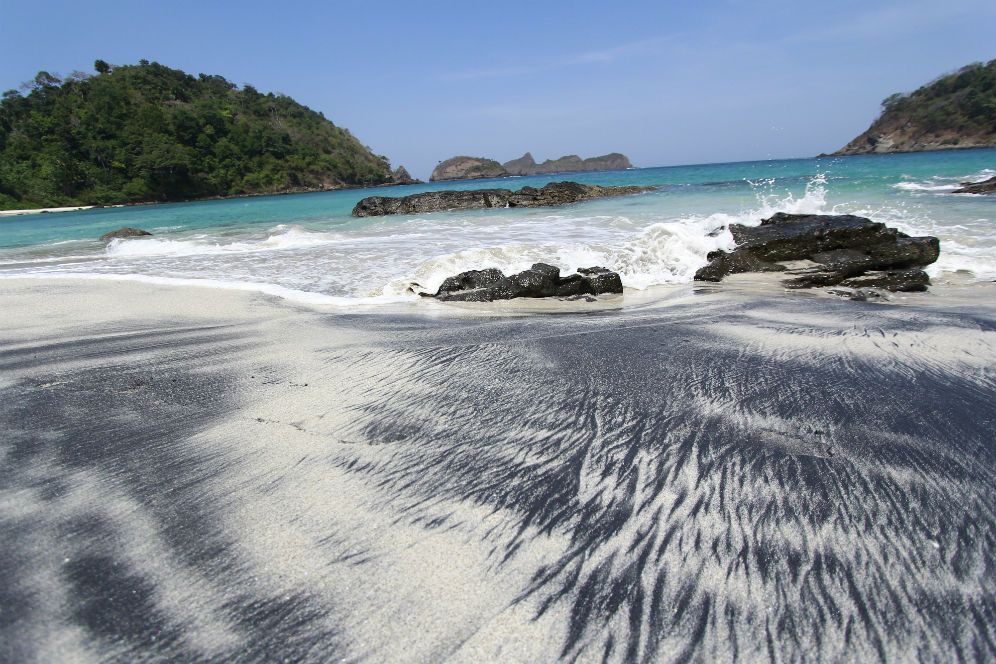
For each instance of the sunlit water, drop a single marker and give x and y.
(309, 246)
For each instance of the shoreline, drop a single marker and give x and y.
(955, 288)
(288, 192)
(14, 213)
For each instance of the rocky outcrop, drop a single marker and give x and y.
(467, 168)
(400, 175)
(541, 280)
(984, 187)
(526, 165)
(125, 232)
(843, 250)
(555, 193)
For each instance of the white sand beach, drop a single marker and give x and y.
(200, 473)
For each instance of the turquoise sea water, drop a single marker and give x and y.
(308, 246)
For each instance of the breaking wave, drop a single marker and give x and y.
(662, 253)
(943, 184)
(650, 241)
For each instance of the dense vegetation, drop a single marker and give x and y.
(964, 101)
(954, 110)
(150, 133)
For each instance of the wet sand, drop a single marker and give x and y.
(13, 213)
(731, 473)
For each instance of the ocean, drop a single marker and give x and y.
(308, 247)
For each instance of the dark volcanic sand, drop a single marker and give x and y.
(723, 479)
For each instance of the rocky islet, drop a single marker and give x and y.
(468, 168)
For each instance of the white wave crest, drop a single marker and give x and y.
(285, 237)
(942, 183)
(919, 186)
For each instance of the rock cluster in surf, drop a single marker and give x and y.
(125, 232)
(840, 250)
(555, 193)
(541, 280)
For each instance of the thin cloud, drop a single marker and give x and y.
(598, 56)
(892, 21)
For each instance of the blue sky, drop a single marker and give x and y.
(664, 82)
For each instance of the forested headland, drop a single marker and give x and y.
(146, 132)
(957, 110)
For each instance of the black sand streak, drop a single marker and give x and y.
(794, 479)
(114, 433)
(722, 500)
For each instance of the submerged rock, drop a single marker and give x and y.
(540, 280)
(850, 251)
(555, 193)
(127, 231)
(984, 187)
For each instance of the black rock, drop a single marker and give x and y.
(984, 187)
(604, 282)
(786, 237)
(471, 280)
(555, 193)
(537, 281)
(540, 280)
(846, 247)
(573, 285)
(819, 277)
(735, 262)
(127, 231)
(897, 281)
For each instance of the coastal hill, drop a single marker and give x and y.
(146, 132)
(467, 168)
(955, 111)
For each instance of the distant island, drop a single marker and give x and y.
(469, 168)
(145, 132)
(955, 111)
